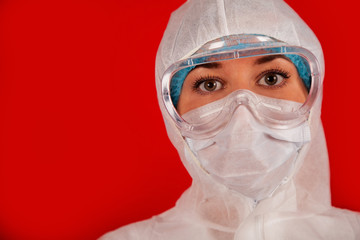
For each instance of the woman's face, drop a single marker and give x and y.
(272, 76)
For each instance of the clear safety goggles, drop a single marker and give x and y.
(271, 106)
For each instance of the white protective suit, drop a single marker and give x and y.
(298, 209)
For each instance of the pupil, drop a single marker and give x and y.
(210, 85)
(271, 79)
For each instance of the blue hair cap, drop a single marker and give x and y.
(302, 67)
(176, 84)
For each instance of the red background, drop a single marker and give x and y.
(83, 149)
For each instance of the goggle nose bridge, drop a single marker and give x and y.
(242, 97)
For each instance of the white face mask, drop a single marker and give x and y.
(248, 157)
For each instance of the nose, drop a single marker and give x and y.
(239, 78)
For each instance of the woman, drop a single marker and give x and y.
(240, 87)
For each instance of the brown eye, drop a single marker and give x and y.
(271, 79)
(210, 85)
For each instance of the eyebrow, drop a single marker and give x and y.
(270, 58)
(210, 65)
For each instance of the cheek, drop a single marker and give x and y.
(187, 100)
(299, 92)
(181, 106)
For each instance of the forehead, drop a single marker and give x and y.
(248, 63)
(260, 60)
